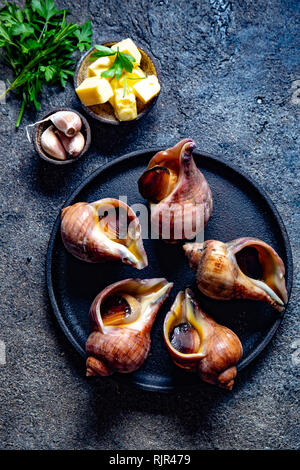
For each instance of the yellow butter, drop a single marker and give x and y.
(128, 47)
(125, 106)
(94, 90)
(112, 101)
(135, 76)
(97, 72)
(131, 78)
(146, 89)
(116, 83)
(100, 65)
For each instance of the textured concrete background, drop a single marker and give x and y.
(229, 80)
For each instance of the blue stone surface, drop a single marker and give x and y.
(230, 80)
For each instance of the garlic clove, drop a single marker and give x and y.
(52, 145)
(73, 145)
(67, 122)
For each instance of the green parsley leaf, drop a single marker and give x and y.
(128, 56)
(125, 62)
(84, 35)
(38, 43)
(118, 68)
(122, 62)
(105, 51)
(22, 29)
(49, 72)
(45, 8)
(110, 73)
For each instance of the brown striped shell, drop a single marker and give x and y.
(104, 230)
(245, 268)
(121, 344)
(179, 195)
(198, 344)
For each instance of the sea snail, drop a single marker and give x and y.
(179, 195)
(104, 230)
(121, 317)
(245, 268)
(198, 344)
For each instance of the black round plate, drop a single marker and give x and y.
(241, 209)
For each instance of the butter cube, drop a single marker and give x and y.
(116, 83)
(112, 101)
(134, 76)
(128, 46)
(146, 89)
(106, 61)
(125, 106)
(94, 90)
(97, 72)
(100, 65)
(131, 77)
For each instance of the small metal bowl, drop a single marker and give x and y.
(40, 128)
(105, 112)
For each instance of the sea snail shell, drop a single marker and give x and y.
(179, 195)
(245, 268)
(121, 317)
(197, 343)
(105, 230)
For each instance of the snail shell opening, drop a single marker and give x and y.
(198, 344)
(183, 332)
(245, 268)
(261, 267)
(119, 308)
(185, 338)
(179, 195)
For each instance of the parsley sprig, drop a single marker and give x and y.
(122, 61)
(37, 42)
